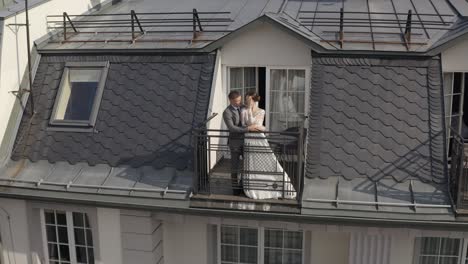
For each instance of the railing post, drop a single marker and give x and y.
(64, 25)
(300, 167)
(408, 28)
(341, 27)
(196, 173)
(461, 174)
(195, 21)
(133, 25)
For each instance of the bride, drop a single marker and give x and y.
(264, 177)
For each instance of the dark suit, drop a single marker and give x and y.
(233, 120)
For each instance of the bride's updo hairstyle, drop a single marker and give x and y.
(254, 95)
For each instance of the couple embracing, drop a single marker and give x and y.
(245, 125)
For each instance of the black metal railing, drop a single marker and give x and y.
(458, 170)
(134, 26)
(270, 165)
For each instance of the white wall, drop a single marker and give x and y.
(13, 62)
(185, 239)
(109, 231)
(266, 45)
(329, 247)
(455, 58)
(142, 238)
(14, 221)
(402, 249)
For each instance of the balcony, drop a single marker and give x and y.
(268, 175)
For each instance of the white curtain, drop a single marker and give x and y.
(287, 97)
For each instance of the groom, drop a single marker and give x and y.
(233, 119)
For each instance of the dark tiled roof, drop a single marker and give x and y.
(148, 108)
(376, 143)
(375, 119)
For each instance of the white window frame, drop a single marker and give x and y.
(448, 116)
(260, 240)
(462, 256)
(283, 248)
(104, 67)
(70, 231)
(268, 90)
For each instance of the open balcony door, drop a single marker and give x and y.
(286, 95)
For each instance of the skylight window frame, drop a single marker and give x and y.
(80, 124)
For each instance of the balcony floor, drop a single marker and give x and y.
(222, 197)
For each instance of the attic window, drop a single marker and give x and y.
(79, 94)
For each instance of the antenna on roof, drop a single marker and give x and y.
(29, 56)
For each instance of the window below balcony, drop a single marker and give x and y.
(68, 236)
(249, 245)
(439, 250)
(79, 95)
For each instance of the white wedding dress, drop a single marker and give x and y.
(264, 177)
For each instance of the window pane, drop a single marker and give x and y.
(278, 102)
(248, 254)
(51, 234)
(273, 238)
(248, 236)
(78, 219)
(293, 240)
(61, 218)
(64, 252)
(296, 80)
(49, 217)
(428, 260)
(295, 102)
(80, 237)
(450, 247)
(273, 256)
(90, 256)
(86, 220)
(235, 77)
(278, 80)
(81, 101)
(430, 245)
(448, 260)
(249, 77)
(89, 237)
(62, 234)
(292, 257)
(229, 253)
(229, 235)
(81, 254)
(53, 251)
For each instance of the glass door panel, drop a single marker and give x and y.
(287, 95)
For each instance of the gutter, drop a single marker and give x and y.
(379, 203)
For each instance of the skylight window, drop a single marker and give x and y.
(79, 94)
